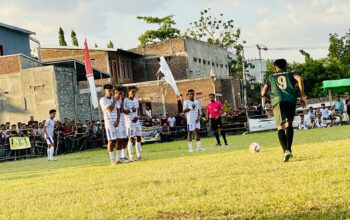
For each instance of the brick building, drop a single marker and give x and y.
(194, 64)
(188, 60)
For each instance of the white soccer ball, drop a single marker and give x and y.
(254, 148)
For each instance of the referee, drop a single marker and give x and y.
(214, 112)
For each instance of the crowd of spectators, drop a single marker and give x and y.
(69, 135)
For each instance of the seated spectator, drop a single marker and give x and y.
(155, 120)
(319, 122)
(165, 133)
(338, 107)
(312, 115)
(302, 123)
(326, 114)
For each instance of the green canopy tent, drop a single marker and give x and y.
(336, 87)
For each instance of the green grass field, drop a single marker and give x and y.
(230, 183)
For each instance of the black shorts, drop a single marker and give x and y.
(215, 123)
(283, 111)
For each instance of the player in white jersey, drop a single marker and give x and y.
(192, 110)
(133, 126)
(111, 116)
(122, 138)
(49, 128)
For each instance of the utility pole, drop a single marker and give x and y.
(261, 47)
(244, 81)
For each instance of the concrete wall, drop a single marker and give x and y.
(28, 92)
(14, 42)
(204, 58)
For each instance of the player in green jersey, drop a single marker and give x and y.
(283, 94)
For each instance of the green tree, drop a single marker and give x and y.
(61, 40)
(165, 31)
(74, 38)
(110, 44)
(219, 32)
(214, 30)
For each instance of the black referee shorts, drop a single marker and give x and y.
(215, 123)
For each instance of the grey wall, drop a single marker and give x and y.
(210, 53)
(73, 103)
(14, 42)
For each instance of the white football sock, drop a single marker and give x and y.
(190, 146)
(199, 145)
(130, 150)
(138, 149)
(52, 152)
(119, 154)
(111, 156)
(48, 154)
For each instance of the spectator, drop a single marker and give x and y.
(41, 131)
(319, 122)
(227, 107)
(148, 112)
(31, 121)
(178, 119)
(338, 107)
(172, 121)
(302, 123)
(155, 120)
(312, 115)
(268, 109)
(163, 119)
(8, 126)
(14, 132)
(326, 114)
(347, 102)
(165, 133)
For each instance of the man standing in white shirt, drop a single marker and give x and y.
(111, 118)
(171, 121)
(133, 126)
(192, 110)
(49, 128)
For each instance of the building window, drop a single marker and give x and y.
(222, 65)
(1, 50)
(226, 66)
(194, 59)
(217, 65)
(208, 63)
(204, 62)
(199, 60)
(213, 64)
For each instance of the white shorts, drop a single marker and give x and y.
(111, 133)
(134, 130)
(50, 141)
(121, 132)
(193, 126)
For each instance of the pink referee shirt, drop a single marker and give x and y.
(214, 109)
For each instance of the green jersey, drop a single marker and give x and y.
(283, 87)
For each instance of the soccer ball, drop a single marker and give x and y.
(254, 148)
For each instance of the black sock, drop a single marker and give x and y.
(217, 137)
(223, 136)
(283, 140)
(289, 138)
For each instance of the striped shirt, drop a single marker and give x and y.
(128, 105)
(50, 126)
(192, 115)
(122, 115)
(109, 117)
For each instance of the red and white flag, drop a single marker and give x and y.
(90, 75)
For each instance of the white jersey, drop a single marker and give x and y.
(325, 113)
(192, 115)
(128, 105)
(109, 117)
(50, 126)
(122, 115)
(172, 121)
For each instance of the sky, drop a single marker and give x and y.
(277, 24)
